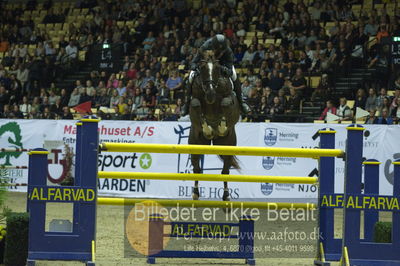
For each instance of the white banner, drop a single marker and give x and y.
(380, 142)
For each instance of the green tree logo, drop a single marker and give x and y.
(13, 132)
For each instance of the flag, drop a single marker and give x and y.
(361, 113)
(84, 108)
(331, 117)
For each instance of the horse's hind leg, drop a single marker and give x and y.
(197, 170)
(225, 171)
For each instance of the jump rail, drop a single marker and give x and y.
(12, 167)
(210, 177)
(221, 150)
(14, 150)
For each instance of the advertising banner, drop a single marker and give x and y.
(58, 136)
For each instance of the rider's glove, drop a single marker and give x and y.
(193, 67)
(226, 71)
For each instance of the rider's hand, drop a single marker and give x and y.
(193, 67)
(225, 71)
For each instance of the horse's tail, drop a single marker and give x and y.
(235, 162)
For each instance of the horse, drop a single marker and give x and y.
(214, 111)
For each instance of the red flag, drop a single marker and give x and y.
(84, 108)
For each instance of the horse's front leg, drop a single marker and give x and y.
(195, 158)
(196, 115)
(226, 105)
(225, 171)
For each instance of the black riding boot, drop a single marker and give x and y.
(245, 109)
(188, 89)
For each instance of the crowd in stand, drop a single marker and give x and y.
(382, 108)
(163, 41)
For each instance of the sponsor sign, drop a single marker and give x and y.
(380, 143)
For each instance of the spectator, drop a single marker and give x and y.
(150, 116)
(360, 99)
(276, 108)
(74, 99)
(257, 89)
(131, 73)
(384, 119)
(269, 94)
(53, 97)
(371, 29)
(248, 56)
(78, 86)
(371, 119)
(282, 97)
(45, 104)
(6, 111)
(396, 84)
(262, 109)
(36, 105)
(241, 31)
(66, 114)
(71, 51)
(121, 90)
(64, 98)
(293, 102)
(148, 77)
(163, 93)
(179, 107)
(56, 108)
(116, 115)
(385, 104)
(149, 98)
(394, 103)
(330, 108)
(122, 106)
(344, 111)
(25, 107)
(299, 82)
(323, 90)
(149, 41)
(380, 98)
(89, 87)
(174, 84)
(382, 64)
(370, 103)
(46, 114)
(395, 111)
(22, 75)
(142, 111)
(101, 100)
(276, 81)
(17, 113)
(383, 33)
(114, 100)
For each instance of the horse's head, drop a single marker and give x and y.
(209, 74)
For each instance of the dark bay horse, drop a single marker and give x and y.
(214, 111)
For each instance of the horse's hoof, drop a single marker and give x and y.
(207, 131)
(222, 129)
(195, 193)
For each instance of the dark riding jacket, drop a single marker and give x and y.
(225, 57)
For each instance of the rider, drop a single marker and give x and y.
(219, 44)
